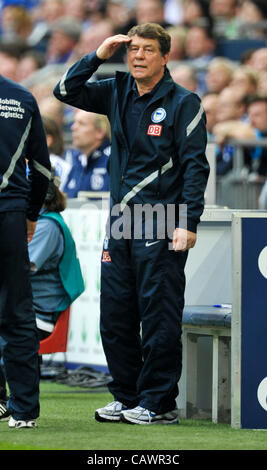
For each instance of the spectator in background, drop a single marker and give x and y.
(257, 115)
(250, 13)
(262, 83)
(55, 144)
(237, 130)
(174, 11)
(231, 105)
(64, 37)
(121, 15)
(185, 76)
(199, 50)
(224, 13)
(256, 158)
(230, 115)
(16, 22)
(199, 45)
(210, 105)
(196, 11)
(150, 11)
(96, 10)
(48, 12)
(62, 114)
(49, 107)
(56, 277)
(244, 80)
(92, 37)
(41, 88)
(219, 74)
(258, 59)
(245, 57)
(76, 9)
(9, 60)
(91, 139)
(29, 62)
(178, 38)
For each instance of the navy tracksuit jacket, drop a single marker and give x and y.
(141, 279)
(22, 137)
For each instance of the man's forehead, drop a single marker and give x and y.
(138, 40)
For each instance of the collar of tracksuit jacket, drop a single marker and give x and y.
(125, 83)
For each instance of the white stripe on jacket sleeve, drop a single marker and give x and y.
(15, 157)
(138, 187)
(193, 124)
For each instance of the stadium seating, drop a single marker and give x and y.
(234, 48)
(57, 341)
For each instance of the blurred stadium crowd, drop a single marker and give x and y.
(219, 51)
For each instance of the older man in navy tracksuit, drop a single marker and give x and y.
(157, 159)
(22, 138)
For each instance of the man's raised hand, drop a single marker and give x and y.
(110, 45)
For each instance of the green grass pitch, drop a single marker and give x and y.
(67, 422)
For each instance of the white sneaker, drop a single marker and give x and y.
(111, 412)
(19, 423)
(140, 415)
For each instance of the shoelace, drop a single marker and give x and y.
(146, 412)
(111, 404)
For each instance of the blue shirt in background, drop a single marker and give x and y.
(89, 173)
(45, 251)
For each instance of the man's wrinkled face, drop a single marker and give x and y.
(145, 61)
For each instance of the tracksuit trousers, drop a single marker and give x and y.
(18, 332)
(142, 300)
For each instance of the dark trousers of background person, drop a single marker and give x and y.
(19, 339)
(143, 282)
